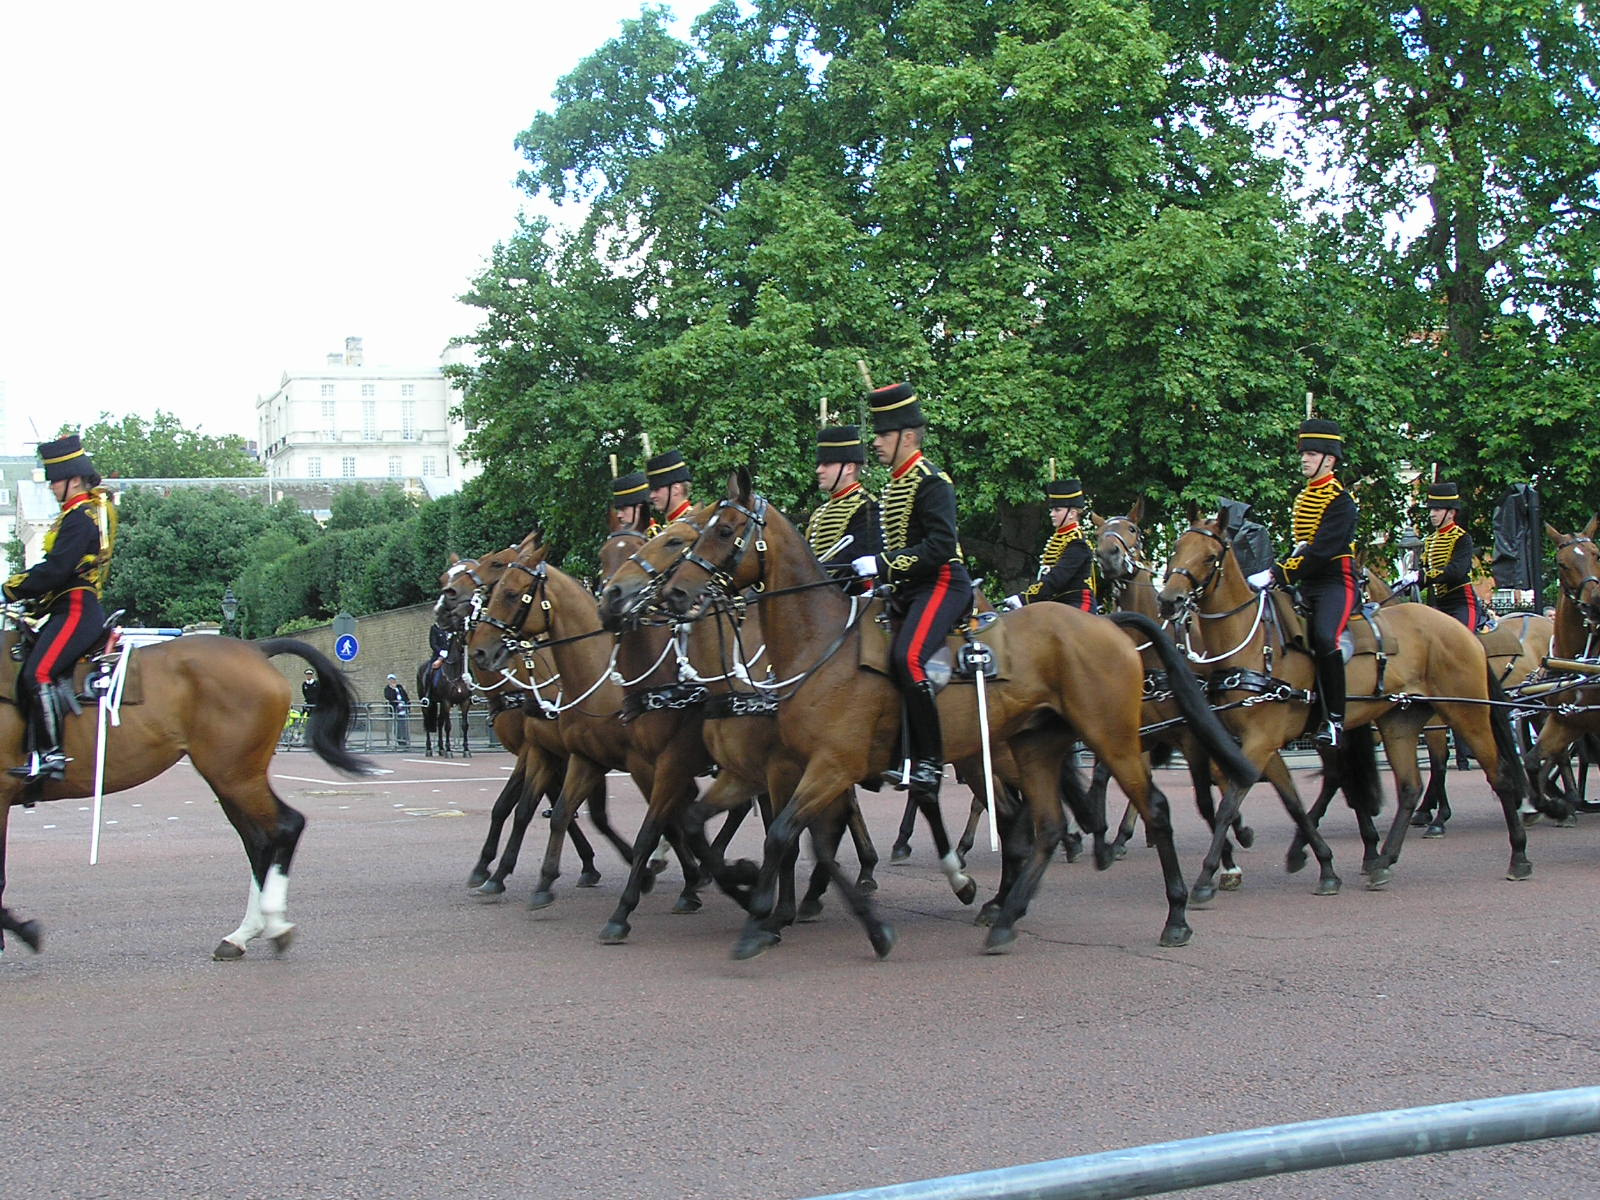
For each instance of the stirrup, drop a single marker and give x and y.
(1331, 735)
(42, 766)
(895, 776)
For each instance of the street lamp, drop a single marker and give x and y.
(230, 608)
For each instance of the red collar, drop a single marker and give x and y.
(845, 491)
(678, 512)
(1320, 480)
(80, 498)
(1067, 528)
(1446, 527)
(900, 471)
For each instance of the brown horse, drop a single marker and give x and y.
(222, 703)
(1577, 639)
(1426, 654)
(1070, 674)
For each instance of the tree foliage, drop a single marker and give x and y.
(132, 447)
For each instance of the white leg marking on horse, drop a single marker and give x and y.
(252, 924)
(951, 866)
(275, 902)
(658, 856)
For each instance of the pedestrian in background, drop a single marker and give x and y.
(400, 709)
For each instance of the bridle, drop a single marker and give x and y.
(1573, 593)
(1117, 584)
(1190, 600)
(722, 576)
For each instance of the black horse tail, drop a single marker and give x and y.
(1357, 766)
(1191, 700)
(1511, 774)
(329, 720)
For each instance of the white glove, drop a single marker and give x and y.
(1010, 604)
(1409, 579)
(866, 566)
(1261, 580)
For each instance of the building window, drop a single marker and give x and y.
(328, 414)
(369, 389)
(327, 391)
(347, 466)
(408, 389)
(408, 420)
(313, 468)
(394, 466)
(369, 420)
(430, 465)
(5, 496)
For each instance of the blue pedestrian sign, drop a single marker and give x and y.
(347, 647)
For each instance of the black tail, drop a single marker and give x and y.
(1199, 716)
(1357, 767)
(1511, 774)
(329, 720)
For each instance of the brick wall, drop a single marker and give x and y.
(396, 641)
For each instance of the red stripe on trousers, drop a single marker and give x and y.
(919, 636)
(70, 620)
(1351, 595)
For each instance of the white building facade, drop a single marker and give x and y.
(345, 420)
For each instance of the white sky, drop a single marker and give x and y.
(196, 196)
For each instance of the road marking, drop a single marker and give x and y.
(369, 783)
(438, 762)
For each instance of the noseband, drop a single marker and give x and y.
(512, 631)
(722, 577)
(1199, 587)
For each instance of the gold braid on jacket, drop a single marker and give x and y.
(1438, 548)
(1309, 507)
(828, 523)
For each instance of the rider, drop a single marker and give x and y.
(64, 590)
(439, 647)
(845, 528)
(629, 493)
(921, 561)
(668, 476)
(1323, 565)
(1447, 558)
(1067, 563)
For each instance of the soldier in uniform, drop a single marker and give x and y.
(1068, 560)
(668, 476)
(845, 528)
(1323, 565)
(629, 493)
(921, 561)
(63, 589)
(1447, 558)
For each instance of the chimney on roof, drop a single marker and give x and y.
(335, 359)
(352, 352)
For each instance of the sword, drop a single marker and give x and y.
(981, 660)
(99, 778)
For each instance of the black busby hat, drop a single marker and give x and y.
(64, 458)
(1064, 493)
(632, 488)
(840, 444)
(1321, 437)
(895, 407)
(667, 468)
(1443, 494)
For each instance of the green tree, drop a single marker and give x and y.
(132, 447)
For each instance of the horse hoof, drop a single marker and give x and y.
(1229, 880)
(1570, 821)
(1072, 844)
(1202, 893)
(1420, 818)
(541, 900)
(1294, 861)
(987, 914)
(1378, 878)
(1433, 831)
(883, 939)
(1000, 940)
(32, 935)
(1245, 836)
(226, 951)
(741, 873)
(866, 883)
(1106, 854)
(477, 879)
(281, 943)
(614, 933)
(1119, 851)
(754, 945)
(967, 892)
(1176, 935)
(589, 879)
(1329, 886)
(1520, 871)
(899, 852)
(686, 903)
(1531, 818)
(492, 887)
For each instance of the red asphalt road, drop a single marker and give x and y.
(420, 1042)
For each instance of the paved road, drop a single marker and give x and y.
(420, 1042)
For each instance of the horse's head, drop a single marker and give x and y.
(468, 580)
(1194, 567)
(516, 611)
(634, 572)
(1578, 568)
(720, 556)
(1119, 546)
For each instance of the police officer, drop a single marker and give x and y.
(1323, 565)
(629, 494)
(921, 560)
(63, 589)
(845, 528)
(1066, 565)
(668, 476)
(1447, 558)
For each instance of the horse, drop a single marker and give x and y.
(438, 691)
(1577, 638)
(223, 703)
(1071, 674)
(1432, 655)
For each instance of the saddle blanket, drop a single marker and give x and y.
(951, 663)
(132, 688)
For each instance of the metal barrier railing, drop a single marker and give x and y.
(374, 729)
(1274, 1150)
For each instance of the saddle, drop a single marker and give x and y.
(91, 676)
(959, 660)
(1364, 634)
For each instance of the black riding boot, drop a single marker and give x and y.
(45, 760)
(1330, 688)
(927, 741)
